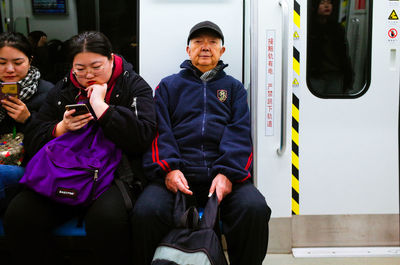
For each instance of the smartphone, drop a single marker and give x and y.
(9, 89)
(79, 109)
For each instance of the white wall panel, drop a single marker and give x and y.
(165, 25)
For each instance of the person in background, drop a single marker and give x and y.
(203, 146)
(41, 58)
(329, 67)
(121, 103)
(15, 112)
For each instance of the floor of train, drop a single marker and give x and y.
(277, 259)
(288, 259)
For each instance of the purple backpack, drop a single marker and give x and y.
(75, 168)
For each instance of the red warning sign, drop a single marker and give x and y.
(392, 33)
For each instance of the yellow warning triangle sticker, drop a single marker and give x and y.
(393, 15)
(296, 35)
(295, 82)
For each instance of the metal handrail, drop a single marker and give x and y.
(285, 32)
(254, 77)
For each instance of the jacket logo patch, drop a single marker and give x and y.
(222, 95)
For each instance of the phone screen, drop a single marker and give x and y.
(9, 89)
(79, 109)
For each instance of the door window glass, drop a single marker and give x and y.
(338, 46)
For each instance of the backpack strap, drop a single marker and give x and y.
(125, 194)
(127, 182)
(190, 219)
(179, 208)
(210, 212)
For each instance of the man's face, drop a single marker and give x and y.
(204, 51)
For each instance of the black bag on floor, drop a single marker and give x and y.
(193, 241)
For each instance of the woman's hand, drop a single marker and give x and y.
(72, 123)
(96, 94)
(16, 109)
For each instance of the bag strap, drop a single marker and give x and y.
(190, 219)
(124, 173)
(179, 208)
(210, 212)
(125, 194)
(187, 218)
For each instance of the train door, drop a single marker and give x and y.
(326, 112)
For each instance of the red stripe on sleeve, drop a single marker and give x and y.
(156, 159)
(152, 150)
(156, 146)
(166, 164)
(162, 166)
(243, 180)
(249, 161)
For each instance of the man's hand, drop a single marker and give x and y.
(16, 109)
(175, 180)
(222, 185)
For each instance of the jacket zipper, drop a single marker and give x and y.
(204, 120)
(134, 106)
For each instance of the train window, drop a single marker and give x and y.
(338, 46)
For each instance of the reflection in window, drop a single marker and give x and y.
(337, 47)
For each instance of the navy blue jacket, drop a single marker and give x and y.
(203, 127)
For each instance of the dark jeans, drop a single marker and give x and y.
(244, 215)
(9, 176)
(30, 219)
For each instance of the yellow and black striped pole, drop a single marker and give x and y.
(295, 110)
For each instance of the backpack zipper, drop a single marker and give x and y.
(95, 178)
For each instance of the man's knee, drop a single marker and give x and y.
(155, 203)
(256, 209)
(249, 203)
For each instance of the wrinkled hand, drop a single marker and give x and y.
(71, 123)
(16, 109)
(175, 180)
(222, 185)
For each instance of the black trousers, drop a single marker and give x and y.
(30, 219)
(244, 215)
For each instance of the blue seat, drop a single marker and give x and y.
(69, 228)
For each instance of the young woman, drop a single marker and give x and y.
(15, 112)
(121, 103)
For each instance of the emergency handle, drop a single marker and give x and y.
(285, 32)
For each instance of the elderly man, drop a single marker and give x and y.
(203, 146)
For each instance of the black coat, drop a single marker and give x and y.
(130, 121)
(328, 52)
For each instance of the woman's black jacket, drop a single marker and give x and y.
(130, 120)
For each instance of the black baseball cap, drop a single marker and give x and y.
(206, 25)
